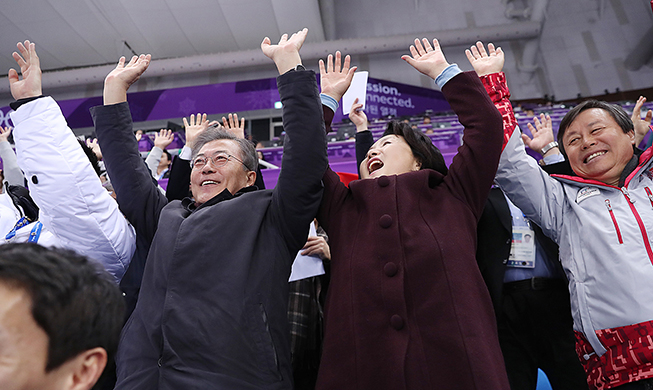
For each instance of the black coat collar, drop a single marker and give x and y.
(190, 205)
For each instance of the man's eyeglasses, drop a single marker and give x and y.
(219, 159)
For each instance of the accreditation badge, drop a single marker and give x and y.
(522, 251)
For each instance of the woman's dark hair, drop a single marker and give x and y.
(615, 111)
(428, 155)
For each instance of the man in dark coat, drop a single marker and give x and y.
(212, 306)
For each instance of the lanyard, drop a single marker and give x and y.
(33, 235)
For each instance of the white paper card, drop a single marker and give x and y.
(306, 266)
(357, 89)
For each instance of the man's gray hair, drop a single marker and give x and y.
(247, 151)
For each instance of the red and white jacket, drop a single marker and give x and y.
(604, 233)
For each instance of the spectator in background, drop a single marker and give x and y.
(60, 319)
(179, 183)
(11, 172)
(642, 126)
(159, 160)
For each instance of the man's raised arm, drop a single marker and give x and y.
(136, 191)
(299, 190)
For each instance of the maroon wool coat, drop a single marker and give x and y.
(406, 306)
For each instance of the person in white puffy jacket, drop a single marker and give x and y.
(599, 209)
(76, 212)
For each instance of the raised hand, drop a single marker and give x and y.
(194, 126)
(95, 147)
(4, 133)
(357, 116)
(485, 62)
(542, 134)
(334, 80)
(641, 125)
(232, 126)
(426, 59)
(122, 77)
(317, 246)
(285, 54)
(30, 68)
(163, 138)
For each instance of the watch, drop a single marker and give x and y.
(548, 147)
(299, 67)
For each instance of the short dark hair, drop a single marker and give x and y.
(168, 155)
(92, 158)
(428, 155)
(615, 111)
(74, 300)
(247, 151)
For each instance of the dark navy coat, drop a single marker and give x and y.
(211, 313)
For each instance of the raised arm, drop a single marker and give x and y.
(161, 141)
(298, 192)
(526, 184)
(135, 188)
(12, 173)
(543, 141)
(642, 126)
(472, 171)
(364, 139)
(74, 205)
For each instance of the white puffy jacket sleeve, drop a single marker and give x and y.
(73, 204)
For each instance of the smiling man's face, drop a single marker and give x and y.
(596, 147)
(208, 181)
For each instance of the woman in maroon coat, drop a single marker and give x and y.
(407, 307)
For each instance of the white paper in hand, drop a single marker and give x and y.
(357, 89)
(306, 266)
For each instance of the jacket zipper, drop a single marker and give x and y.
(642, 229)
(614, 220)
(650, 195)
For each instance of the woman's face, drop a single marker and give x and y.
(390, 155)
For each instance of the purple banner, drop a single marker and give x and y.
(388, 98)
(178, 102)
(383, 98)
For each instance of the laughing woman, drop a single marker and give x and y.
(407, 307)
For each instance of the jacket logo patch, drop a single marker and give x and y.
(587, 192)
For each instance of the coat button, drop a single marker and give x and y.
(35, 179)
(505, 261)
(383, 181)
(160, 361)
(509, 241)
(385, 221)
(390, 269)
(397, 322)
